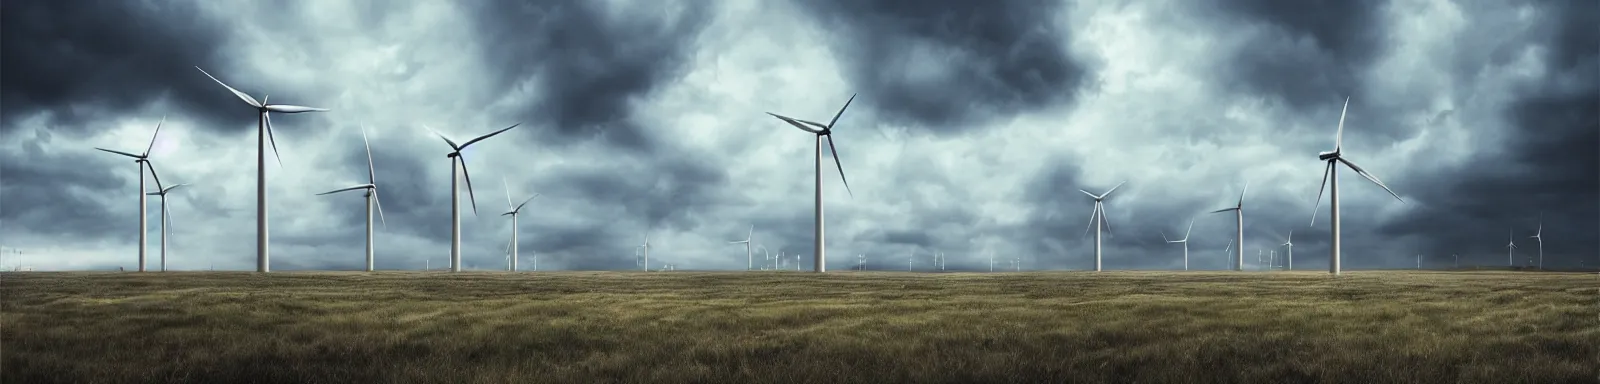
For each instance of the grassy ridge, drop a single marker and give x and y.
(852, 327)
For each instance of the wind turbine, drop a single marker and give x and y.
(1238, 211)
(1330, 175)
(1539, 236)
(1228, 251)
(162, 192)
(1097, 219)
(822, 131)
(1290, 243)
(1419, 261)
(1184, 241)
(991, 261)
(749, 253)
(143, 160)
(263, 137)
(646, 248)
(515, 210)
(457, 161)
(371, 194)
(1511, 247)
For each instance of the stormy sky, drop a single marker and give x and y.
(975, 125)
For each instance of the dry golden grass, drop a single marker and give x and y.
(851, 327)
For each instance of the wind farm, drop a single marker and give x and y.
(653, 131)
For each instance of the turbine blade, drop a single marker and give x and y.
(795, 123)
(836, 163)
(468, 175)
(1241, 194)
(293, 108)
(841, 111)
(372, 175)
(1338, 138)
(247, 99)
(525, 202)
(1370, 177)
(1091, 195)
(120, 153)
(169, 189)
(508, 193)
(1103, 221)
(1187, 231)
(379, 203)
(153, 174)
(1326, 170)
(272, 140)
(1164, 237)
(1092, 217)
(441, 135)
(1223, 210)
(153, 136)
(351, 188)
(491, 134)
(1113, 189)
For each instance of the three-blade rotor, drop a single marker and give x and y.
(1099, 214)
(264, 109)
(144, 158)
(1335, 157)
(456, 155)
(827, 131)
(514, 209)
(372, 180)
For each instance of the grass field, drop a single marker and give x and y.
(850, 327)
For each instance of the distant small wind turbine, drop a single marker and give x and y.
(1290, 243)
(749, 253)
(263, 137)
(165, 220)
(1097, 219)
(646, 248)
(1511, 247)
(143, 160)
(371, 189)
(822, 131)
(459, 162)
(1330, 176)
(1184, 241)
(1228, 252)
(1419, 261)
(513, 211)
(1238, 211)
(1539, 236)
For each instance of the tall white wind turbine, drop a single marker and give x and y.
(822, 131)
(1511, 246)
(263, 137)
(1097, 219)
(1228, 251)
(459, 162)
(1539, 236)
(1238, 210)
(1289, 243)
(749, 253)
(514, 211)
(1184, 241)
(143, 160)
(646, 248)
(1330, 176)
(165, 220)
(370, 190)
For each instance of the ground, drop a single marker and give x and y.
(787, 327)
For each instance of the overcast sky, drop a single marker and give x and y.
(975, 126)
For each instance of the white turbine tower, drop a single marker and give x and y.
(1228, 252)
(165, 220)
(514, 211)
(646, 248)
(991, 261)
(1511, 247)
(143, 160)
(1289, 243)
(1539, 236)
(1184, 241)
(371, 195)
(457, 161)
(1097, 219)
(822, 131)
(749, 253)
(263, 137)
(1330, 176)
(1238, 211)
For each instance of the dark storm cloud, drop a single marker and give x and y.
(591, 66)
(63, 192)
(985, 58)
(1304, 53)
(84, 62)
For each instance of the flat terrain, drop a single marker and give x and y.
(786, 327)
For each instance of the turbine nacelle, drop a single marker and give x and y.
(1328, 155)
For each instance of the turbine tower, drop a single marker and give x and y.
(143, 160)
(165, 220)
(822, 131)
(515, 210)
(646, 248)
(459, 162)
(749, 253)
(1330, 176)
(371, 194)
(1228, 251)
(1511, 247)
(1539, 236)
(1097, 219)
(1238, 210)
(1290, 243)
(1184, 241)
(263, 137)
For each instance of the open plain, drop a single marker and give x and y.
(850, 327)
